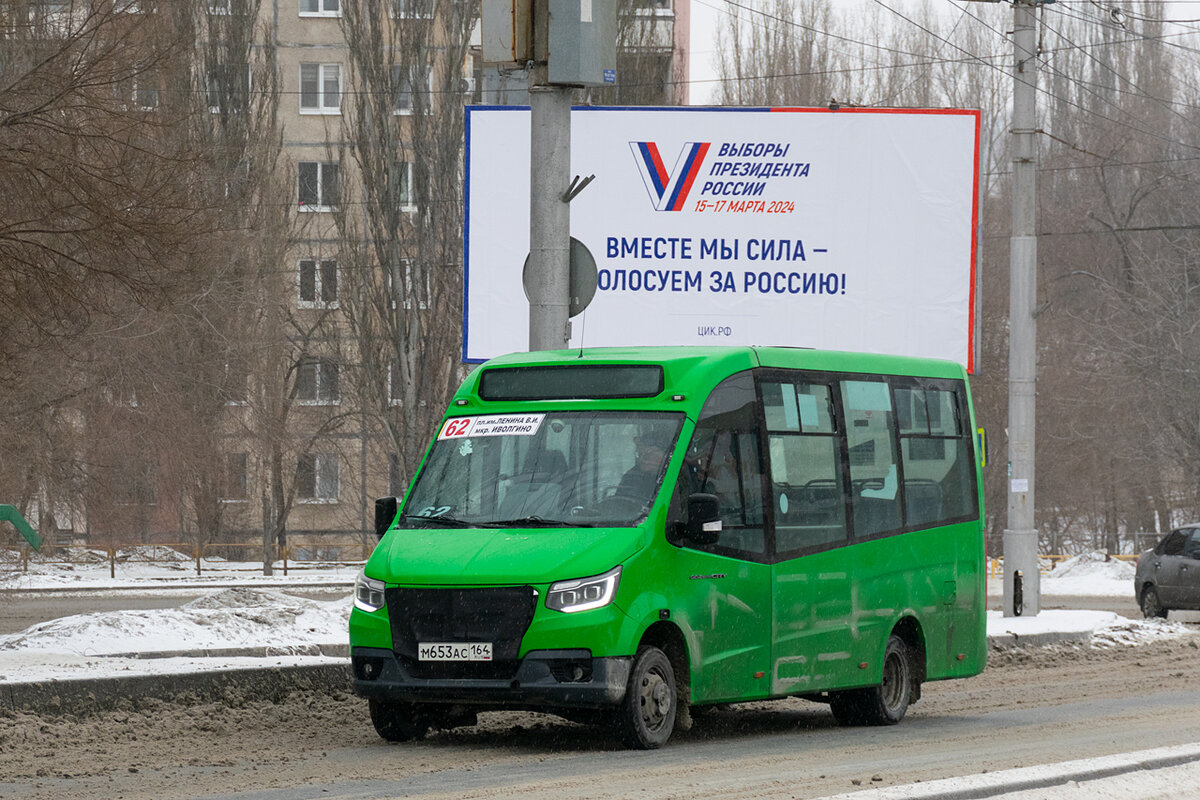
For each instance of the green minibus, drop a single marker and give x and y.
(618, 536)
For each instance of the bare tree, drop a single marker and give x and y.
(401, 235)
(97, 216)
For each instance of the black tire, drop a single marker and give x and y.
(1152, 607)
(886, 703)
(398, 722)
(646, 717)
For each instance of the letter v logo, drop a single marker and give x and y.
(669, 191)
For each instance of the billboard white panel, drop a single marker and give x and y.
(850, 230)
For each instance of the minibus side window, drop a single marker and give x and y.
(936, 455)
(806, 467)
(874, 470)
(723, 459)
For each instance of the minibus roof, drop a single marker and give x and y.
(695, 370)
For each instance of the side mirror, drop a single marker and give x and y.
(703, 518)
(385, 515)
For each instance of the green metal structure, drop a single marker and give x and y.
(10, 514)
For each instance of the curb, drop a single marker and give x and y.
(1046, 776)
(91, 695)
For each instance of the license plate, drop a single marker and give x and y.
(450, 651)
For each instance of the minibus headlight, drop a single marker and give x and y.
(368, 593)
(584, 594)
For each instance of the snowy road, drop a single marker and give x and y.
(1036, 707)
(1128, 690)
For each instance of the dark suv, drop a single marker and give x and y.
(1168, 577)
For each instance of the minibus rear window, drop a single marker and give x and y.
(571, 382)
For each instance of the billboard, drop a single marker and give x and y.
(849, 229)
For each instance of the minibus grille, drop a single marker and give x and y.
(499, 615)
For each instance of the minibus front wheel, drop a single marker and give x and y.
(398, 722)
(646, 716)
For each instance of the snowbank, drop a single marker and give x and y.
(1086, 575)
(231, 618)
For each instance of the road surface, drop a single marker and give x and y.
(1029, 707)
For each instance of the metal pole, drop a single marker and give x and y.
(549, 215)
(1020, 537)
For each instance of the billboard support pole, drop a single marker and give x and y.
(1022, 595)
(549, 212)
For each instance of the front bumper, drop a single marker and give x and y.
(543, 680)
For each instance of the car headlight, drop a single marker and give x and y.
(584, 594)
(368, 593)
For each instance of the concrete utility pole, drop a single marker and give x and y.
(1022, 581)
(549, 212)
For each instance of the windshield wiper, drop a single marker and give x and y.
(536, 522)
(442, 519)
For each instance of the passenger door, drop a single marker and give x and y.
(726, 595)
(811, 597)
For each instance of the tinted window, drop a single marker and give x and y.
(1192, 548)
(562, 383)
(806, 466)
(874, 472)
(939, 473)
(1172, 545)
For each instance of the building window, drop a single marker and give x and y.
(234, 390)
(320, 8)
(317, 382)
(318, 185)
(412, 9)
(228, 86)
(138, 92)
(318, 283)
(134, 484)
(317, 478)
(400, 286)
(404, 78)
(657, 7)
(402, 186)
(320, 88)
(219, 6)
(234, 478)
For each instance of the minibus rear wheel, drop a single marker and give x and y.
(398, 722)
(646, 717)
(886, 703)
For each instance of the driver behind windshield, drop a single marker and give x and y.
(641, 480)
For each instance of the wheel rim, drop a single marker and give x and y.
(655, 699)
(895, 682)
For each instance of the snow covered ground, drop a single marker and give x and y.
(247, 613)
(159, 568)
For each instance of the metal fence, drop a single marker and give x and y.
(213, 557)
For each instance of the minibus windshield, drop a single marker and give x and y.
(560, 469)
